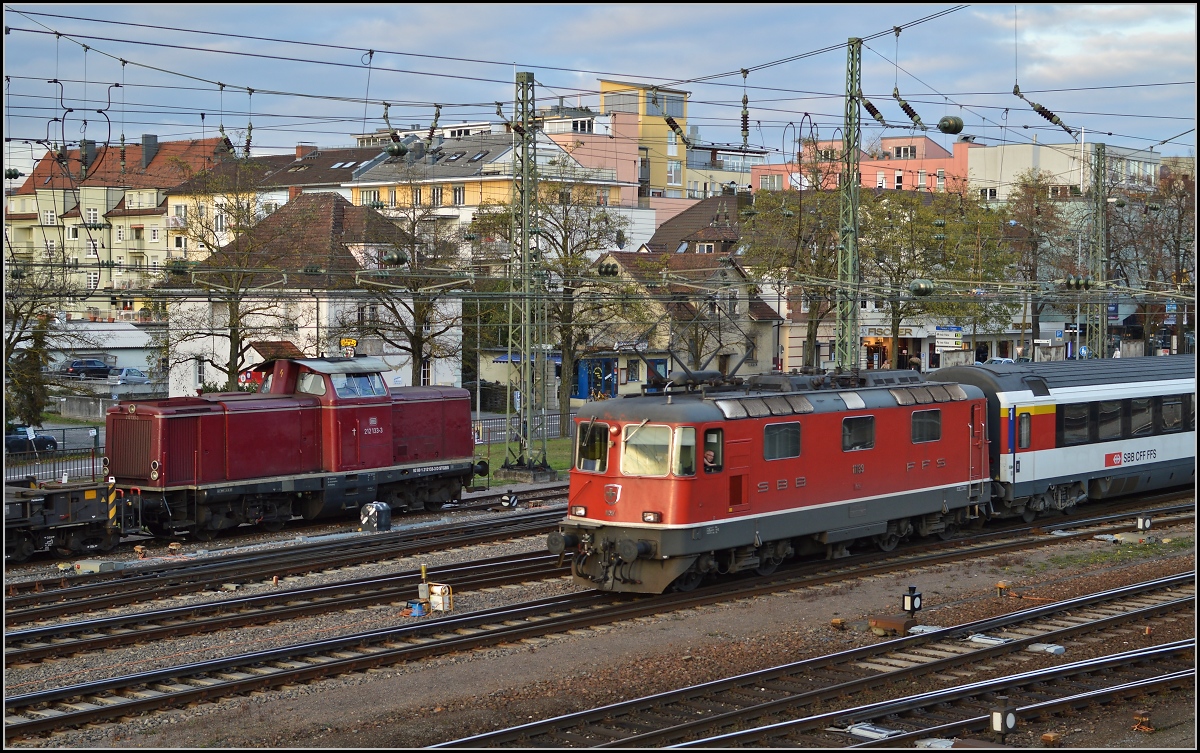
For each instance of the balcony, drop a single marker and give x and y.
(176, 222)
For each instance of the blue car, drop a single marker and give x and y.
(16, 440)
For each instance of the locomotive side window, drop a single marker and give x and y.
(714, 450)
(358, 385)
(926, 426)
(1109, 415)
(311, 384)
(858, 433)
(781, 441)
(1172, 413)
(646, 450)
(591, 447)
(685, 451)
(1075, 424)
(1023, 431)
(1141, 417)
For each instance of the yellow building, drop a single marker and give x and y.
(662, 149)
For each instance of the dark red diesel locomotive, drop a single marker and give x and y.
(322, 437)
(667, 488)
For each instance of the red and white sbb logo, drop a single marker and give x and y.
(1111, 459)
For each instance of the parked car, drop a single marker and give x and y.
(16, 439)
(85, 368)
(128, 376)
(999, 360)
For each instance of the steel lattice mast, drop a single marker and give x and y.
(524, 297)
(847, 291)
(1097, 310)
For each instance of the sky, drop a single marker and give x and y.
(1121, 74)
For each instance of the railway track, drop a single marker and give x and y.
(102, 633)
(700, 714)
(123, 696)
(967, 709)
(73, 595)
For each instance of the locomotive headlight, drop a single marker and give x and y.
(154, 475)
(579, 511)
(652, 517)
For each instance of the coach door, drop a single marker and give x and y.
(978, 455)
(1020, 424)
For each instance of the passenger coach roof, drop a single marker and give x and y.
(1063, 374)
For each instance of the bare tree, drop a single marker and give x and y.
(573, 228)
(1037, 232)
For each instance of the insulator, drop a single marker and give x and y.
(911, 113)
(950, 124)
(874, 111)
(920, 287)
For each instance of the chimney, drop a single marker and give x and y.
(294, 192)
(149, 148)
(305, 148)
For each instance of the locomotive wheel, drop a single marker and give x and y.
(203, 534)
(1028, 514)
(948, 532)
(21, 550)
(887, 541)
(688, 581)
(767, 567)
(109, 541)
(271, 526)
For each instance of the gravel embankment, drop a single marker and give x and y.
(451, 697)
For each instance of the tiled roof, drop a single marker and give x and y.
(314, 229)
(762, 311)
(715, 212)
(120, 211)
(162, 172)
(232, 176)
(271, 350)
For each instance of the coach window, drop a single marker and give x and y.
(926, 426)
(1141, 416)
(646, 450)
(781, 441)
(311, 384)
(685, 451)
(591, 448)
(858, 433)
(1109, 419)
(1075, 423)
(714, 443)
(1172, 413)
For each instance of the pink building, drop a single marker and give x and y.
(902, 163)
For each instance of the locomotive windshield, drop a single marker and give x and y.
(646, 450)
(591, 447)
(358, 385)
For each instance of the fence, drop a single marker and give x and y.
(50, 466)
(491, 430)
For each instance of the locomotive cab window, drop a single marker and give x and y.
(858, 433)
(591, 447)
(926, 426)
(685, 451)
(714, 450)
(781, 441)
(311, 383)
(646, 450)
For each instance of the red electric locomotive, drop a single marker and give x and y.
(323, 436)
(667, 488)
